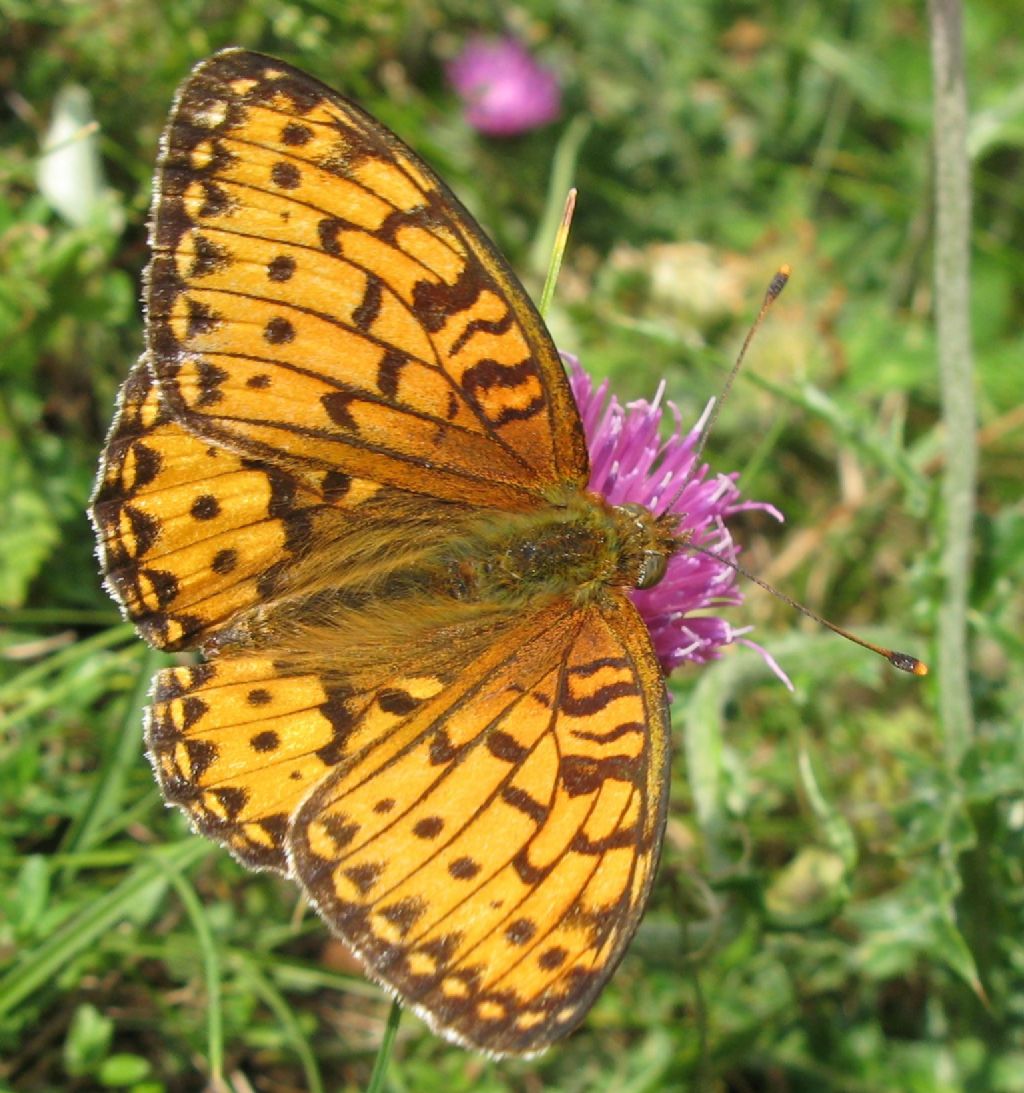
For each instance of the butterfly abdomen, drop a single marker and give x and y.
(464, 574)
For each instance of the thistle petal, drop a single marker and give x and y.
(631, 462)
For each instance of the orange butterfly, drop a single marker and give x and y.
(349, 468)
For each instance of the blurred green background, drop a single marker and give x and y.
(841, 902)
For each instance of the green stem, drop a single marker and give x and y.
(953, 330)
(38, 967)
(211, 968)
(108, 797)
(380, 1066)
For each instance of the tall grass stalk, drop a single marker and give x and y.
(956, 372)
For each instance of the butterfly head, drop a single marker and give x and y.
(648, 541)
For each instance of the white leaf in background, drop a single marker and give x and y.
(70, 172)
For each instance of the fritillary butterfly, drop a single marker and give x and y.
(348, 468)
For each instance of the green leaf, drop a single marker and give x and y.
(88, 1040)
(28, 529)
(123, 1069)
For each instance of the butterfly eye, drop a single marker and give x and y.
(653, 564)
(650, 543)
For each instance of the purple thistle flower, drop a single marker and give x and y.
(630, 462)
(505, 91)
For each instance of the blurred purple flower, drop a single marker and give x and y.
(505, 91)
(630, 462)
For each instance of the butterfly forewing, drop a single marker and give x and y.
(346, 397)
(318, 297)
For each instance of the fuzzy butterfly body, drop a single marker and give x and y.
(349, 469)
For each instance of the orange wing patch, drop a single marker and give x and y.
(239, 742)
(237, 745)
(317, 297)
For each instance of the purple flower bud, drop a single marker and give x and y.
(505, 91)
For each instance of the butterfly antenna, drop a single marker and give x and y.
(904, 661)
(778, 283)
(557, 251)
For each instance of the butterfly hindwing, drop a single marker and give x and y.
(490, 859)
(318, 297)
(190, 534)
(237, 744)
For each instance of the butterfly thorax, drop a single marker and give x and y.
(578, 548)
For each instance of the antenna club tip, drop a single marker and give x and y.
(779, 282)
(906, 663)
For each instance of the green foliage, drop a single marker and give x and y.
(839, 906)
